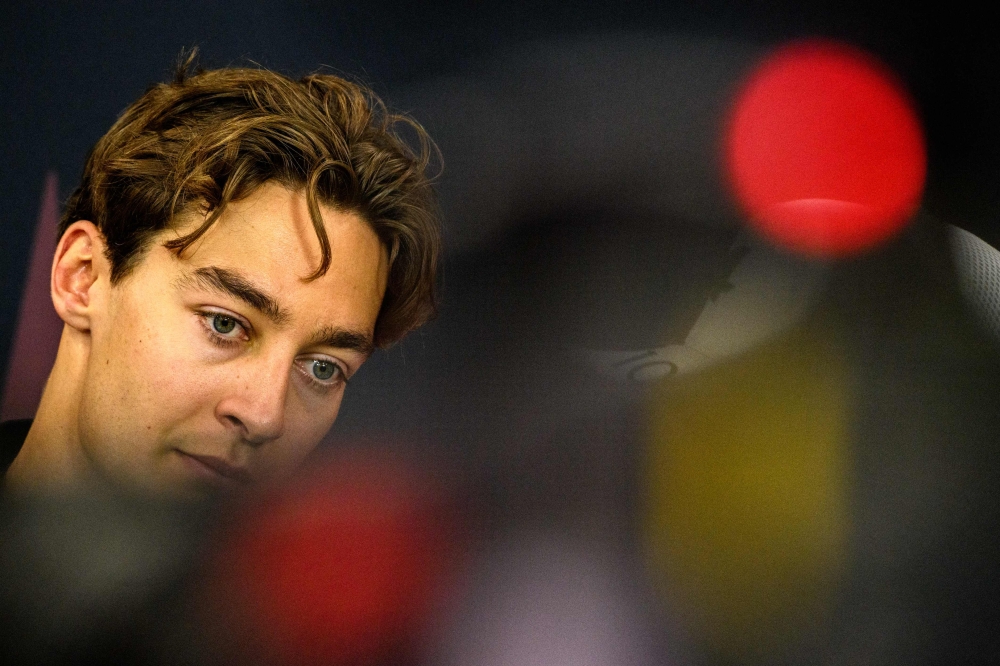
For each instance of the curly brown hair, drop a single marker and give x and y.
(211, 137)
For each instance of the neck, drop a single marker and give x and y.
(52, 455)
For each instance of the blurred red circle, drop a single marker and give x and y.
(824, 150)
(346, 566)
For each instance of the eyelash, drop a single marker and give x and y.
(224, 342)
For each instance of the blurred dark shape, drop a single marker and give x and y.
(36, 338)
(505, 367)
(90, 578)
(606, 278)
(348, 564)
(824, 150)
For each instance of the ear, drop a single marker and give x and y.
(78, 269)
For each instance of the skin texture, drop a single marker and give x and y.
(180, 379)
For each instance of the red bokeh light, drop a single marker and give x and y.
(344, 568)
(824, 150)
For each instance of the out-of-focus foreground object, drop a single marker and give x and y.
(90, 577)
(767, 293)
(978, 266)
(352, 562)
(824, 150)
(348, 565)
(541, 599)
(747, 508)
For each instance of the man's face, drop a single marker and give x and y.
(224, 367)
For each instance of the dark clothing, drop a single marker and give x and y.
(12, 435)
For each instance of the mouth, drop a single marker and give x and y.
(215, 468)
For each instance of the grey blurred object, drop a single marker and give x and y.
(552, 600)
(767, 292)
(978, 266)
(608, 118)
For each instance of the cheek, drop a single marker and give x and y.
(151, 372)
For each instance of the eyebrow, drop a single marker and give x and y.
(341, 338)
(233, 284)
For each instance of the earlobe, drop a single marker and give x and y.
(78, 268)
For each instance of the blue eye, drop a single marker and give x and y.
(223, 324)
(323, 370)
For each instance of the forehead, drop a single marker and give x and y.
(269, 238)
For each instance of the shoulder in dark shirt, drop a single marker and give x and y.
(12, 436)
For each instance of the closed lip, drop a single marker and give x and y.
(221, 467)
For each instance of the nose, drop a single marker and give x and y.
(254, 403)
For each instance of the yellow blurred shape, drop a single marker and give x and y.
(747, 494)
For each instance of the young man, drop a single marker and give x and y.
(239, 244)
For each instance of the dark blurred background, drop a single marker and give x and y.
(585, 210)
